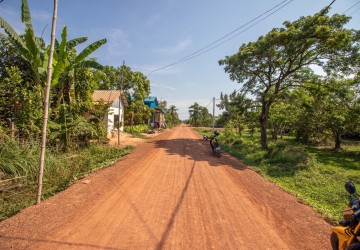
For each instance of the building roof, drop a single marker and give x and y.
(108, 96)
(151, 102)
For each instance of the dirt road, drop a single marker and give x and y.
(170, 193)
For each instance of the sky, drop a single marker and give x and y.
(176, 43)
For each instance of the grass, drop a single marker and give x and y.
(316, 175)
(18, 167)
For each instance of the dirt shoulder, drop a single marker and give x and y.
(169, 193)
(127, 139)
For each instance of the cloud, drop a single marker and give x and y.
(179, 47)
(162, 86)
(117, 40)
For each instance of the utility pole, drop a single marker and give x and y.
(120, 87)
(213, 117)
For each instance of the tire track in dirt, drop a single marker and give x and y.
(170, 193)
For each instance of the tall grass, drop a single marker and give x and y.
(19, 167)
(314, 174)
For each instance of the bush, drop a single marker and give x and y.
(137, 129)
(288, 156)
(19, 166)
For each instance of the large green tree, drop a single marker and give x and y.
(327, 111)
(199, 115)
(281, 59)
(236, 106)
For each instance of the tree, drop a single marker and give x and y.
(68, 62)
(328, 110)
(172, 115)
(236, 106)
(281, 59)
(199, 116)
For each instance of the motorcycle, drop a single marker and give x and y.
(346, 236)
(215, 145)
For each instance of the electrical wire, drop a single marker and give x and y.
(197, 53)
(209, 103)
(211, 48)
(352, 7)
(354, 11)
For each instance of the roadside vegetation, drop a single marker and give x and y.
(315, 174)
(297, 126)
(76, 134)
(18, 169)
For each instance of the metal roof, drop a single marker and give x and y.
(108, 96)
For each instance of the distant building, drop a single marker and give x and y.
(157, 120)
(116, 110)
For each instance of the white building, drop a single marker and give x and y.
(116, 108)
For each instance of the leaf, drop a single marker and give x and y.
(74, 42)
(25, 15)
(32, 48)
(90, 64)
(58, 70)
(88, 50)
(11, 32)
(62, 46)
(2, 36)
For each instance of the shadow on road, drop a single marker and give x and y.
(197, 150)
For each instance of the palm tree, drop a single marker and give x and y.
(172, 111)
(194, 111)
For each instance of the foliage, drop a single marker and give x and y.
(237, 109)
(199, 116)
(137, 129)
(171, 116)
(326, 111)
(61, 171)
(24, 72)
(281, 59)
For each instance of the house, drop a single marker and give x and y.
(116, 108)
(157, 120)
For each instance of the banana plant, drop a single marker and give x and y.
(29, 47)
(64, 82)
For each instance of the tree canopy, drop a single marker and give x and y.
(283, 58)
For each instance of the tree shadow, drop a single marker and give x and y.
(340, 159)
(198, 150)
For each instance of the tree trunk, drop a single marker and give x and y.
(337, 141)
(274, 134)
(265, 107)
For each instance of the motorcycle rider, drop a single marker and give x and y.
(213, 137)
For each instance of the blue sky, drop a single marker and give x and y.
(149, 35)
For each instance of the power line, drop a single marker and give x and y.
(352, 7)
(242, 26)
(197, 53)
(354, 11)
(233, 35)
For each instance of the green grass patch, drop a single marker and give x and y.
(316, 175)
(19, 168)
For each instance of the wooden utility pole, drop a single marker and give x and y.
(213, 117)
(120, 87)
(46, 105)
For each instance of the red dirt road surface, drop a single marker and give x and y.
(170, 193)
